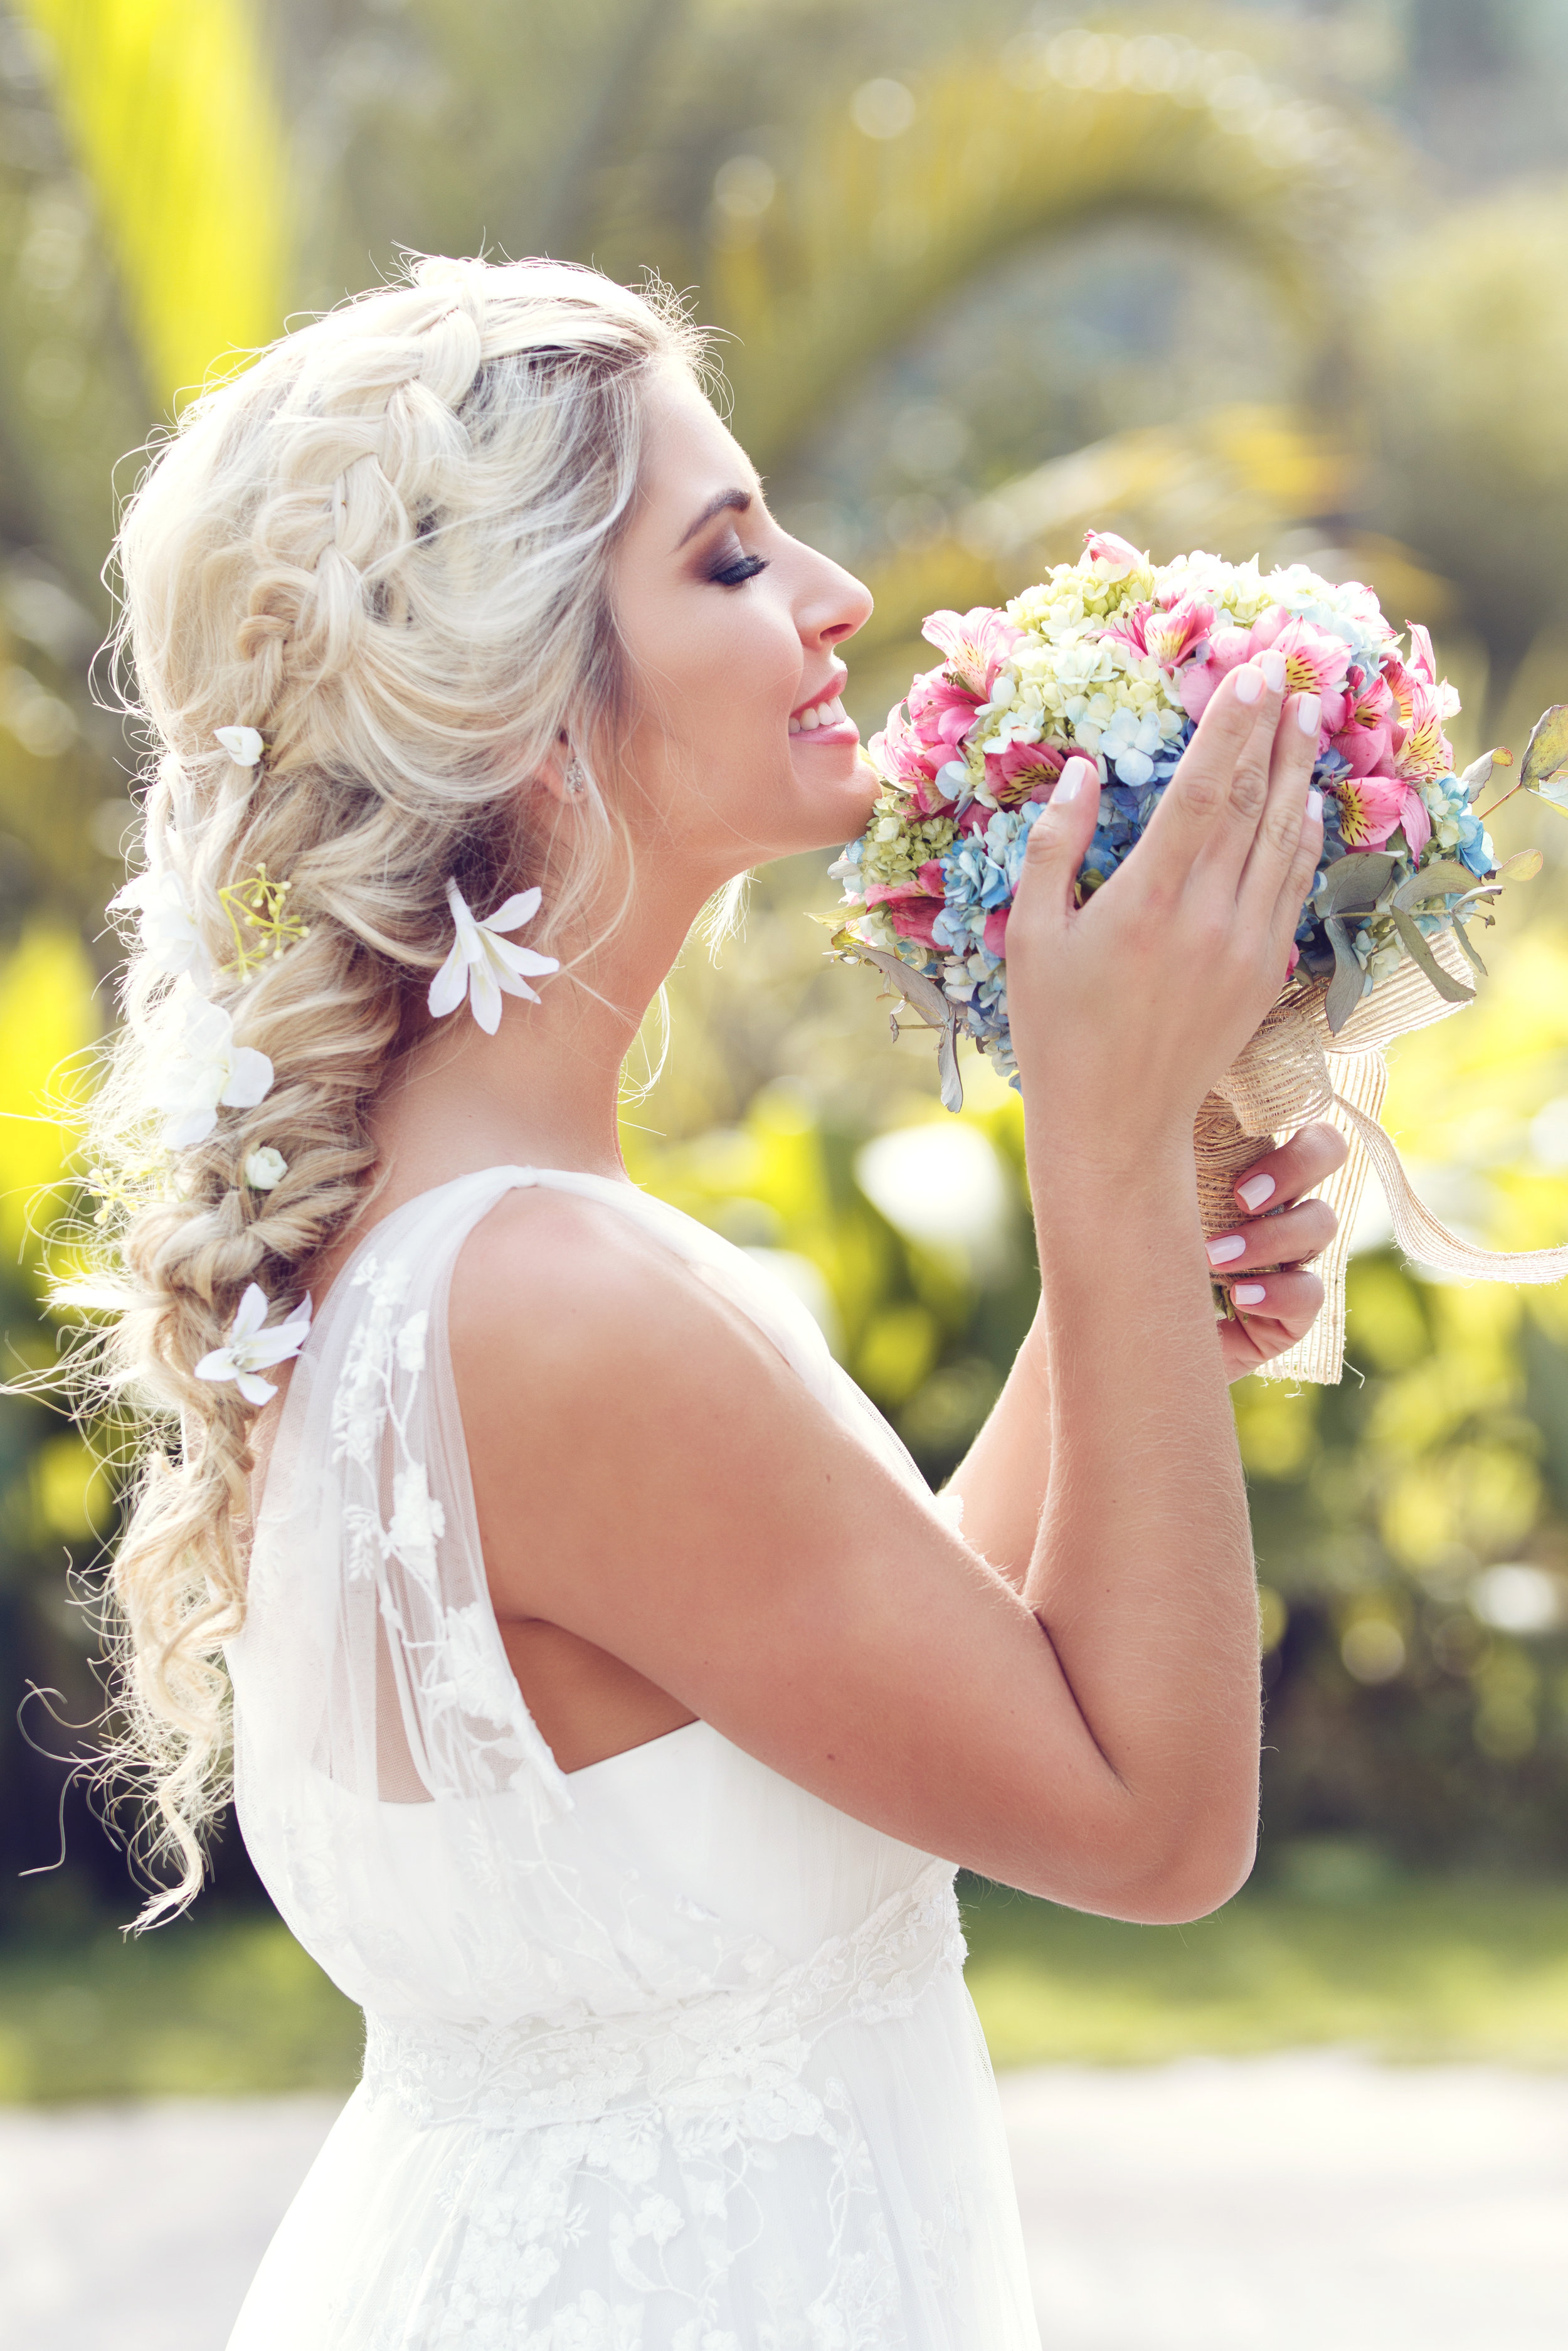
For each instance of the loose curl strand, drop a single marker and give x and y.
(384, 546)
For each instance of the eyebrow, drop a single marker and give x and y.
(737, 499)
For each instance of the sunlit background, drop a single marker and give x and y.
(1290, 280)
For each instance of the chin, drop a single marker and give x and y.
(833, 803)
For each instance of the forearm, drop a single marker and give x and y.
(1003, 1477)
(1141, 1569)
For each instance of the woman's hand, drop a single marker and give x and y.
(1127, 1008)
(1278, 1227)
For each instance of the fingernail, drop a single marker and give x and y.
(1248, 1293)
(1070, 781)
(1272, 664)
(1255, 1191)
(1230, 1245)
(1314, 802)
(1309, 711)
(1250, 683)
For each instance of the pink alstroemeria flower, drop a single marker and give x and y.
(978, 644)
(1024, 771)
(1369, 809)
(918, 741)
(1315, 662)
(1170, 634)
(1112, 556)
(910, 909)
(1422, 750)
(1366, 738)
(1415, 821)
(1199, 681)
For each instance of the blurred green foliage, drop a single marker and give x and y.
(1265, 278)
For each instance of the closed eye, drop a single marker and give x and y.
(736, 574)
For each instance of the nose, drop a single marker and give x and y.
(833, 603)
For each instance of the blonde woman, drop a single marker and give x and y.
(611, 1702)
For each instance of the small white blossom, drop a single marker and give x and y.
(418, 1520)
(477, 1665)
(410, 1344)
(203, 1069)
(169, 939)
(482, 966)
(251, 1348)
(243, 743)
(264, 1168)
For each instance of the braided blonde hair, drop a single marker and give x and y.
(384, 548)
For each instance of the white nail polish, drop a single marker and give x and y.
(1070, 781)
(1230, 1246)
(1314, 802)
(1250, 683)
(1309, 711)
(1248, 1293)
(1272, 665)
(1255, 1191)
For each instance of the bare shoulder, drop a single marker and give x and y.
(557, 1295)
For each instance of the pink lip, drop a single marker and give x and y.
(846, 731)
(833, 686)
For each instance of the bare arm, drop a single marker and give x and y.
(650, 1477)
(1004, 1476)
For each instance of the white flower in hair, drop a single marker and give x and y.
(264, 1168)
(169, 939)
(251, 1348)
(483, 966)
(202, 1069)
(243, 743)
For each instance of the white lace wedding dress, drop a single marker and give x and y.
(661, 2055)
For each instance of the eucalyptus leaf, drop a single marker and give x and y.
(1463, 937)
(1452, 990)
(1545, 764)
(1349, 980)
(947, 1066)
(1522, 866)
(1440, 881)
(929, 1000)
(1479, 772)
(1354, 883)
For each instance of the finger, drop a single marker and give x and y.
(1268, 1325)
(1221, 782)
(1288, 1239)
(1298, 1167)
(1273, 855)
(1058, 840)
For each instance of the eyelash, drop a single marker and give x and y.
(735, 575)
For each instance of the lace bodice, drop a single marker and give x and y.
(612, 2017)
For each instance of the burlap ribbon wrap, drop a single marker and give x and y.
(1293, 1071)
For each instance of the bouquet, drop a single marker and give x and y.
(1115, 659)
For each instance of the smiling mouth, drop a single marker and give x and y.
(829, 713)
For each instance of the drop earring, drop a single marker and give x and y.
(576, 781)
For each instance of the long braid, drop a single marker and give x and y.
(384, 548)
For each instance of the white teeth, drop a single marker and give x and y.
(820, 713)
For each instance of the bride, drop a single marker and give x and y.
(612, 1703)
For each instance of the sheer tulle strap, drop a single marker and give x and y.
(386, 1765)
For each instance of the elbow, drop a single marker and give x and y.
(1188, 1875)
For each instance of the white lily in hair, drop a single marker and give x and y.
(251, 1348)
(203, 1069)
(483, 966)
(169, 939)
(243, 743)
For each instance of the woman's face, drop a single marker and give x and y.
(739, 747)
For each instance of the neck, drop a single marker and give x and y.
(544, 1090)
